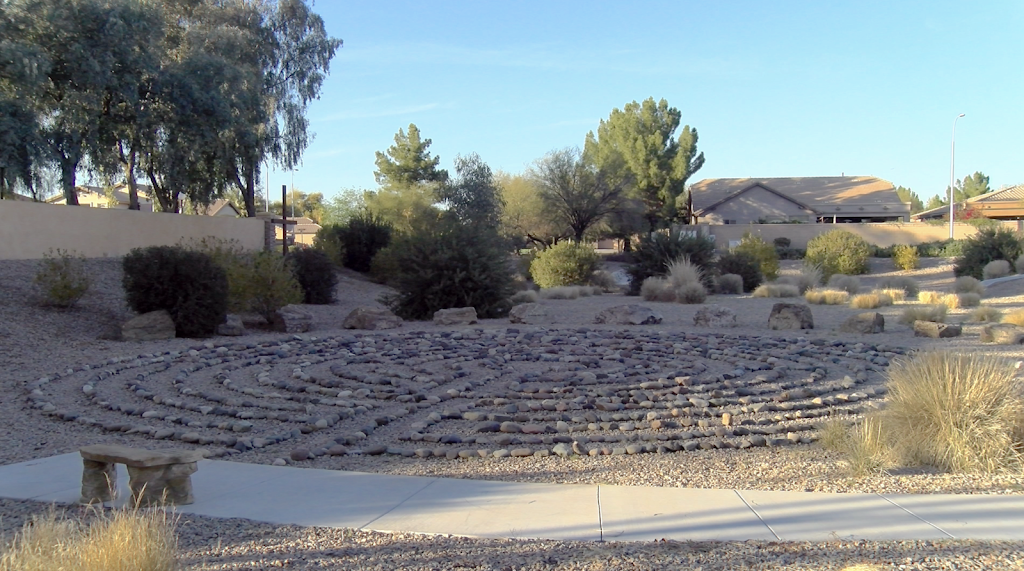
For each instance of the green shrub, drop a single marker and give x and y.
(61, 278)
(315, 274)
(996, 269)
(849, 284)
(987, 245)
(362, 237)
(790, 253)
(451, 265)
(882, 251)
(234, 260)
(564, 264)
(744, 265)
(907, 284)
(730, 284)
(839, 252)
(328, 240)
(905, 257)
(782, 242)
(384, 267)
(765, 254)
(271, 284)
(188, 284)
(941, 249)
(656, 251)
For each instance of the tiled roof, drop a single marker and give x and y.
(814, 192)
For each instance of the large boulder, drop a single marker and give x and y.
(1002, 334)
(151, 326)
(790, 316)
(371, 318)
(232, 326)
(292, 319)
(715, 316)
(936, 330)
(632, 314)
(455, 316)
(529, 314)
(866, 323)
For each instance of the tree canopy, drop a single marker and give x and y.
(574, 192)
(907, 195)
(638, 148)
(408, 162)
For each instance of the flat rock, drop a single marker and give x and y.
(790, 316)
(936, 330)
(232, 326)
(529, 314)
(372, 318)
(715, 316)
(865, 323)
(151, 326)
(292, 319)
(1002, 334)
(455, 316)
(631, 314)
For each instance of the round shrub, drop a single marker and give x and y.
(315, 273)
(235, 261)
(656, 251)
(744, 265)
(270, 284)
(782, 242)
(996, 269)
(657, 289)
(361, 238)
(564, 264)
(61, 278)
(189, 285)
(730, 284)
(849, 284)
(328, 240)
(839, 252)
(987, 245)
(691, 293)
(765, 254)
(905, 257)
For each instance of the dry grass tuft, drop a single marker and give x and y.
(827, 297)
(834, 434)
(525, 296)
(730, 284)
(958, 300)
(776, 290)
(121, 540)
(1015, 317)
(959, 412)
(996, 269)
(560, 292)
(905, 283)
(809, 277)
(930, 297)
(684, 272)
(986, 314)
(850, 284)
(657, 289)
(870, 300)
(967, 284)
(691, 293)
(896, 294)
(867, 450)
(914, 313)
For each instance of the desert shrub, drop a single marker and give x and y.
(744, 265)
(936, 313)
(931, 297)
(362, 237)
(870, 300)
(839, 252)
(987, 245)
(525, 296)
(315, 274)
(986, 314)
(776, 290)
(849, 284)
(683, 272)
(895, 294)
(1015, 317)
(996, 269)
(657, 250)
(958, 412)
(188, 284)
(329, 240)
(782, 242)
(271, 284)
(564, 264)
(384, 267)
(691, 292)
(1019, 264)
(451, 265)
(122, 539)
(61, 278)
(810, 276)
(827, 296)
(968, 284)
(234, 260)
(941, 249)
(560, 292)
(585, 290)
(881, 251)
(790, 253)
(958, 300)
(907, 284)
(730, 284)
(604, 280)
(657, 289)
(905, 257)
(763, 252)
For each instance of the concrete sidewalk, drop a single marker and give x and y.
(477, 508)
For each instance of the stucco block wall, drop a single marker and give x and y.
(30, 229)
(877, 234)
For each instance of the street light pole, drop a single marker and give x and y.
(952, 161)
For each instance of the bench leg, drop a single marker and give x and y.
(170, 484)
(99, 480)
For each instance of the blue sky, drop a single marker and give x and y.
(773, 89)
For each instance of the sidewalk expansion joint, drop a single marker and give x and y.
(399, 504)
(917, 516)
(746, 503)
(600, 516)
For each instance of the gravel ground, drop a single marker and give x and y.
(38, 341)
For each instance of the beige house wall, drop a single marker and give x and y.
(753, 205)
(30, 229)
(881, 235)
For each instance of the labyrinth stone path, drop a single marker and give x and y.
(474, 392)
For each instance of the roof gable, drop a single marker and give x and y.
(756, 185)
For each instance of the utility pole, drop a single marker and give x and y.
(284, 219)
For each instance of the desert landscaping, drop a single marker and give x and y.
(565, 401)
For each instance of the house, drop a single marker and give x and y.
(1003, 204)
(797, 199)
(221, 207)
(301, 229)
(111, 197)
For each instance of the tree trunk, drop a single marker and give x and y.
(67, 181)
(3, 182)
(129, 177)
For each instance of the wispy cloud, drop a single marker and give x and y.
(374, 113)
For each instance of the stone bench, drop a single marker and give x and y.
(154, 476)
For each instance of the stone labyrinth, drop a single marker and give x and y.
(475, 393)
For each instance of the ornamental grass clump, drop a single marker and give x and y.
(1015, 317)
(850, 284)
(930, 297)
(961, 300)
(907, 284)
(810, 276)
(776, 290)
(986, 314)
(827, 296)
(867, 449)
(896, 294)
(691, 293)
(968, 284)
(936, 313)
(962, 413)
(870, 300)
(657, 289)
(561, 292)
